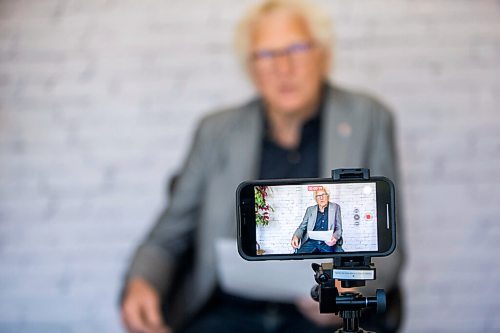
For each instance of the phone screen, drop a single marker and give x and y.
(324, 218)
(317, 219)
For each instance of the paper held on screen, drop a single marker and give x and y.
(282, 281)
(324, 236)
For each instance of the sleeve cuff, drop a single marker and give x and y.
(154, 265)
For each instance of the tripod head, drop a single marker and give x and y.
(351, 272)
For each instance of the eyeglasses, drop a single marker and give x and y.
(265, 59)
(320, 196)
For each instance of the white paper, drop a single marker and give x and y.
(324, 236)
(282, 281)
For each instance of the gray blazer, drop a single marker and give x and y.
(309, 220)
(356, 131)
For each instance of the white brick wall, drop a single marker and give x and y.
(99, 98)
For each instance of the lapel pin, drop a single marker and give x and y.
(344, 130)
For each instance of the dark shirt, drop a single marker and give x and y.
(302, 162)
(321, 220)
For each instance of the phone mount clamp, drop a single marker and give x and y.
(351, 272)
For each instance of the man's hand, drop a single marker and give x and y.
(141, 308)
(332, 241)
(310, 309)
(295, 242)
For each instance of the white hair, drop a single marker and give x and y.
(318, 22)
(324, 189)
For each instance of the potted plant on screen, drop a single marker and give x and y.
(262, 210)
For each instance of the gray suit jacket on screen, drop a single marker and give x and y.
(356, 131)
(309, 221)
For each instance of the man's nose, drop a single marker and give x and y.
(283, 64)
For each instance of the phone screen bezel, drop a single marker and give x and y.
(245, 211)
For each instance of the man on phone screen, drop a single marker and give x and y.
(323, 216)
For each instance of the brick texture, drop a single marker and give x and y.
(99, 99)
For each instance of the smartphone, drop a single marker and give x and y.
(316, 218)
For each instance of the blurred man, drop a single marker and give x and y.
(298, 126)
(323, 216)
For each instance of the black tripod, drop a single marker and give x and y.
(351, 272)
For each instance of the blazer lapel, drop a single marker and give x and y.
(336, 133)
(331, 216)
(245, 145)
(312, 217)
